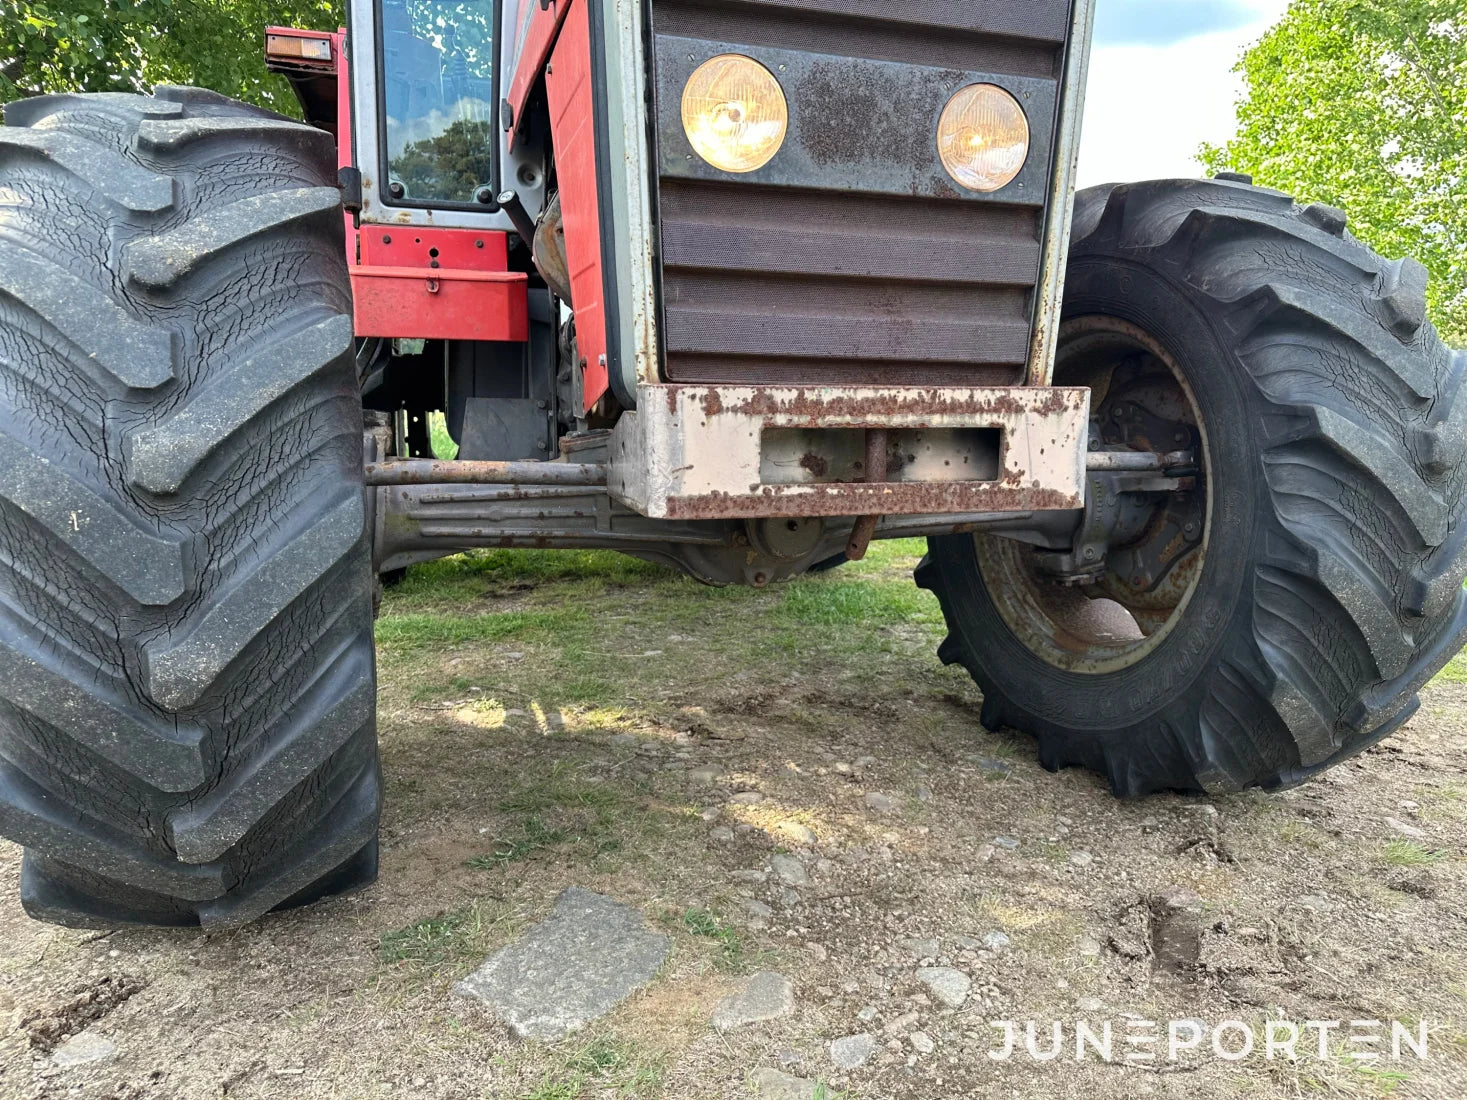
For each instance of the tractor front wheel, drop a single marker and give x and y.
(187, 713)
(1274, 606)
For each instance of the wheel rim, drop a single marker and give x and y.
(1141, 590)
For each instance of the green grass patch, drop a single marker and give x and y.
(443, 445)
(534, 836)
(1455, 671)
(603, 1067)
(827, 601)
(448, 630)
(1408, 853)
(707, 925)
(435, 942)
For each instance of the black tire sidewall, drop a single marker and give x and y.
(1172, 681)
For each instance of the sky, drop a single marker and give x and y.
(1161, 83)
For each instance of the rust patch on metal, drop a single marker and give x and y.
(811, 406)
(816, 464)
(712, 403)
(864, 499)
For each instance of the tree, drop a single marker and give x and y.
(451, 165)
(132, 45)
(1362, 104)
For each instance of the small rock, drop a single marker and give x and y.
(1090, 1004)
(997, 941)
(747, 798)
(880, 803)
(817, 952)
(1406, 830)
(83, 1050)
(752, 878)
(1081, 859)
(790, 870)
(986, 852)
(920, 948)
(1315, 903)
(1090, 946)
(949, 986)
(842, 768)
(867, 1014)
(705, 775)
(802, 835)
(766, 996)
(1206, 809)
(992, 764)
(722, 834)
(921, 1042)
(771, 1084)
(1176, 930)
(790, 898)
(853, 1051)
(1007, 843)
(757, 909)
(902, 1024)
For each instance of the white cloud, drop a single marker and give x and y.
(1148, 108)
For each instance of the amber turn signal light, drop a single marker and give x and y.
(289, 45)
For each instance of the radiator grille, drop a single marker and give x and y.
(767, 284)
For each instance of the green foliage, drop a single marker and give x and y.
(1362, 104)
(133, 45)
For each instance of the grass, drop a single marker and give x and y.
(1408, 853)
(535, 836)
(605, 1067)
(703, 923)
(435, 942)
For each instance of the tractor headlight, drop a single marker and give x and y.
(983, 137)
(735, 113)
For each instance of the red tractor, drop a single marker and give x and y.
(734, 286)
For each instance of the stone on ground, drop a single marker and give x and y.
(949, 986)
(589, 956)
(790, 870)
(771, 1084)
(83, 1050)
(766, 996)
(852, 1052)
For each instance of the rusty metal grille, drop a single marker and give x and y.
(765, 283)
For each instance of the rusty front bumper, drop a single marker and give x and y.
(733, 452)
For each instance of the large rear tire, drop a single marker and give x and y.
(187, 726)
(1328, 588)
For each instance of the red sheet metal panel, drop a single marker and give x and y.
(571, 95)
(448, 249)
(426, 304)
(540, 38)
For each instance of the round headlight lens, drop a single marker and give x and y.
(983, 138)
(735, 113)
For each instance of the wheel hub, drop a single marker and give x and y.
(1106, 601)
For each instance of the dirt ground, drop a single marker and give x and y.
(550, 720)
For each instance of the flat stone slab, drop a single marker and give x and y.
(83, 1050)
(766, 996)
(585, 959)
(771, 1084)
